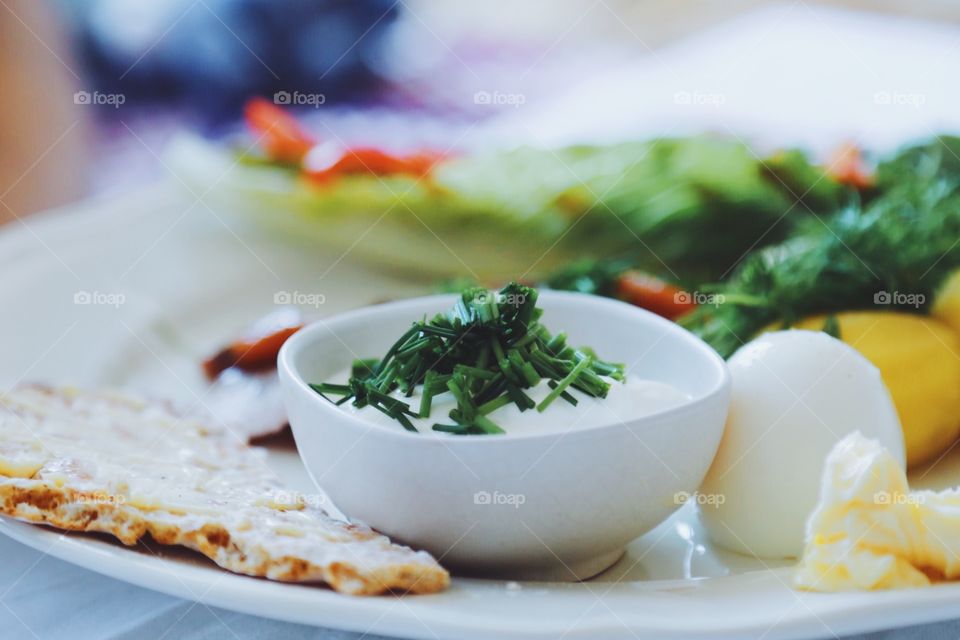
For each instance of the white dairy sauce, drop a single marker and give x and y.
(626, 400)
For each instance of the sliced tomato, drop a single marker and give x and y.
(280, 135)
(258, 348)
(847, 166)
(653, 294)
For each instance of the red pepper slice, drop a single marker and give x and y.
(653, 294)
(258, 348)
(285, 140)
(281, 136)
(371, 161)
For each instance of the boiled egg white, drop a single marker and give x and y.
(795, 394)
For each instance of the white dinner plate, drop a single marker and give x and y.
(132, 291)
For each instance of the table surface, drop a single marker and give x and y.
(45, 598)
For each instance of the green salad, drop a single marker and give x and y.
(689, 206)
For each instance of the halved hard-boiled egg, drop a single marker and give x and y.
(795, 394)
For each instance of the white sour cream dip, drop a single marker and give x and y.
(633, 398)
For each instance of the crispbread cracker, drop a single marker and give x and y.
(111, 463)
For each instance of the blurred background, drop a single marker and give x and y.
(95, 89)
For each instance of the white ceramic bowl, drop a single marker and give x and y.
(532, 506)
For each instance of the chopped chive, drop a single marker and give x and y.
(474, 372)
(565, 395)
(497, 349)
(363, 368)
(563, 384)
(402, 419)
(493, 405)
(486, 352)
(327, 387)
(522, 400)
(414, 346)
(430, 389)
(457, 392)
(399, 417)
(397, 345)
(492, 389)
(486, 425)
(557, 343)
(451, 428)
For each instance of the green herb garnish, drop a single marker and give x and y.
(831, 326)
(902, 237)
(486, 352)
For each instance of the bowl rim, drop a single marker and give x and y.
(322, 329)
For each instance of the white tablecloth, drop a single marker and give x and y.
(48, 599)
(45, 598)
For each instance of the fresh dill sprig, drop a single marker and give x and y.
(901, 239)
(486, 352)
